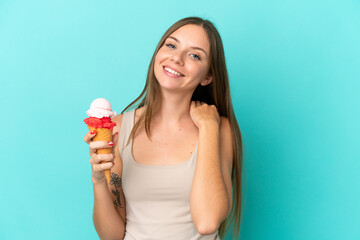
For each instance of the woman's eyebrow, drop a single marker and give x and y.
(190, 47)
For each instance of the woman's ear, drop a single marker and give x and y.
(207, 80)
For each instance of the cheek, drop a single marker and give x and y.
(199, 71)
(158, 59)
(160, 55)
(157, 62)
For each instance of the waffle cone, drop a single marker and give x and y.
(103, 134)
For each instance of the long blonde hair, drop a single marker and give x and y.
(217, 93)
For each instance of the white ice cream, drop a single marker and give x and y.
(100, 108)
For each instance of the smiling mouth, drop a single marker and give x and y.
(169, 70)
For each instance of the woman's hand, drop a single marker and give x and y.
(98, 174)
(202, 114)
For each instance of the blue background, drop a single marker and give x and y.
(294, 76)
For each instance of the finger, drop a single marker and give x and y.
(88, 136)
(99, 144)
(106, 157)
(92, 151)
(102, 166)
(98, 158)
(93, 159)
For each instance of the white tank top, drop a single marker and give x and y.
(157, 196)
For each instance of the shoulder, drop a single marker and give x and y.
(118, 120)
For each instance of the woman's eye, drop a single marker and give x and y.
(196, 56)
(170, 45)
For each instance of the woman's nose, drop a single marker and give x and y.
(178, 58)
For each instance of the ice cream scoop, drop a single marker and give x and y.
(100, 108)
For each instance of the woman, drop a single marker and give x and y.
(176, 167)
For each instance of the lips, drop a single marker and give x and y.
(181, 74)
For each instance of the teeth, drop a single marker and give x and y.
(172, 71)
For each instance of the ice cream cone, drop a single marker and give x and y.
(103, 134)
(100, 114)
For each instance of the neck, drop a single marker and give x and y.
(175, 109)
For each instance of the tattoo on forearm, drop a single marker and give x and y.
(116, 181)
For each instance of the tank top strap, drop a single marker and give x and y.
(125, 130)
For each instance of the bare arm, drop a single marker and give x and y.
(210, 199)
(107, 221)
(108, 213)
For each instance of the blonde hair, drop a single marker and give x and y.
(217, 93)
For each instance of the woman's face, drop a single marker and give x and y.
(183, 60)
